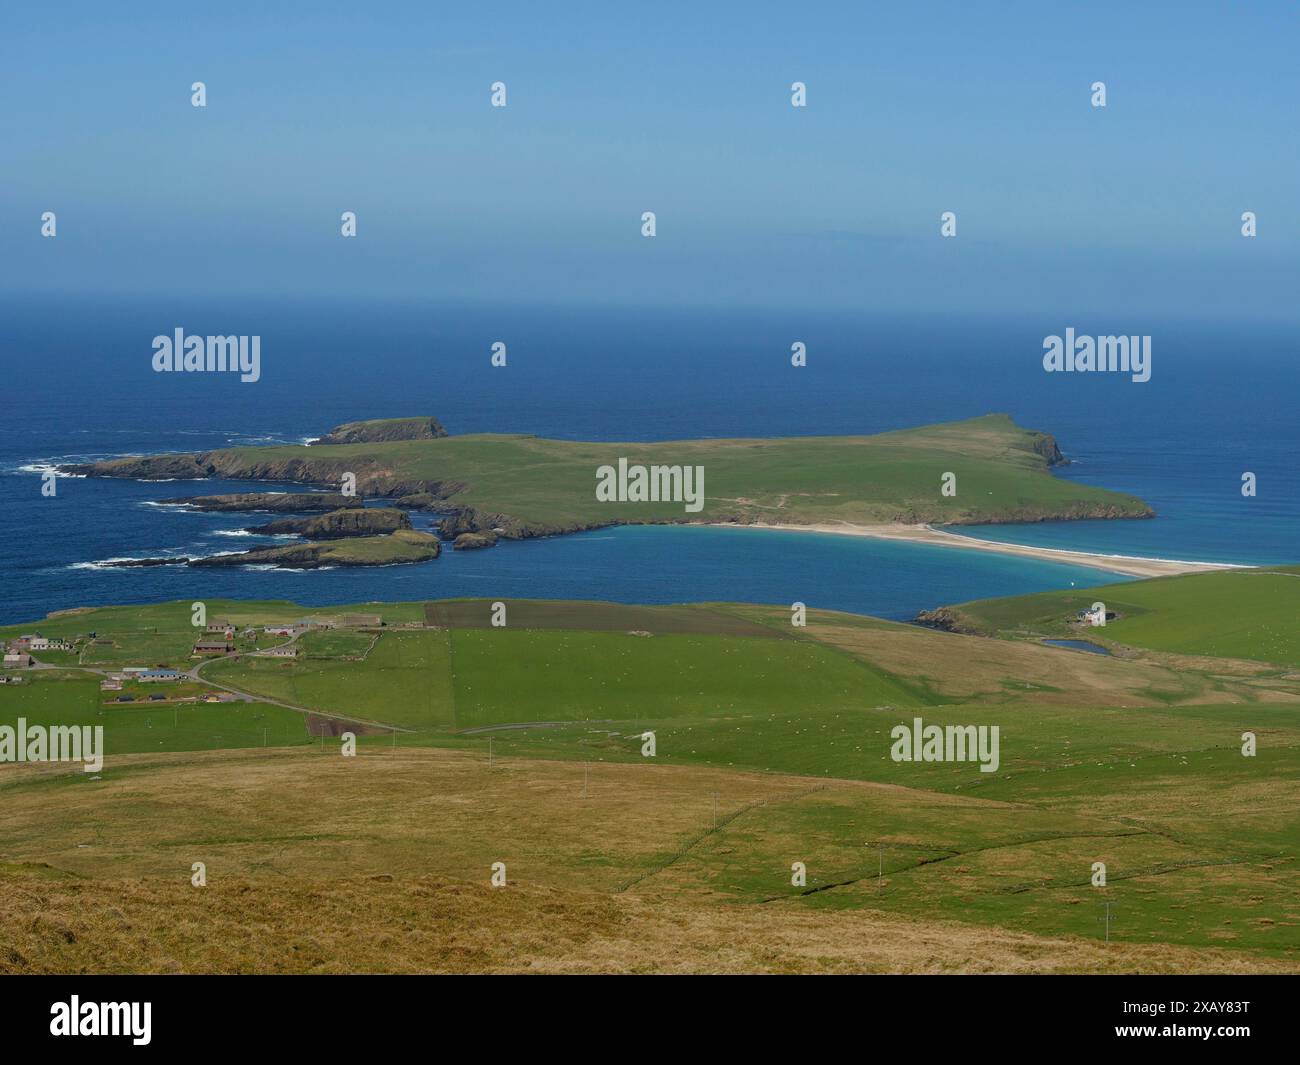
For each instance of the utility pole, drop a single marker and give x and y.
(1108, 904)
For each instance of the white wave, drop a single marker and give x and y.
(108, 563)
(43, 468)
(286, 569)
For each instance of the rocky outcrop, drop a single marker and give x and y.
(337, 524)
(325, 467)
(128, 563)
(417, 501)
(276, 502)
(383, 430)
(144, 468)
(404, 546)
(297, 556)
(944, 618)
(462, 520)
(1045, 444)
(470, 540)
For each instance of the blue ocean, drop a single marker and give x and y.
(78, 386)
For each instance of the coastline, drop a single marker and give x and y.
(1129, 566)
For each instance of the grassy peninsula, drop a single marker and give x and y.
(525, 486)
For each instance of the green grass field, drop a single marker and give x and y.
(1247, 614)
(149, 728)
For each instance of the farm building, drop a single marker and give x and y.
(153, 675)
(281, 652)
(21, 659)
(213, 647)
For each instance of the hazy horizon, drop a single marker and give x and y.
(1061, 207)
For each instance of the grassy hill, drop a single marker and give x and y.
(1238, 614)
(530, 485)
(523, 744)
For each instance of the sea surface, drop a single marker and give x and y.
(78, 385)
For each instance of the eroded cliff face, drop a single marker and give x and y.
(338, 524)
(491, 527)
(1045, 444)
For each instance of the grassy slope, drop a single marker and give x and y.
(297, 836)
(772, 747)
(550, 484)
(1246, 614)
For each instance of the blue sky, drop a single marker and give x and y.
(682, 109)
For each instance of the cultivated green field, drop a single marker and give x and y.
(144, 727)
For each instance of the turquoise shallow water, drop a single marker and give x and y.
(633, 564)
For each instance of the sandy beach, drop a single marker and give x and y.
(928, 534)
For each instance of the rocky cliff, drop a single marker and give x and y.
(403, 546)
(1045, 444)
(338, 524)
(275, 502)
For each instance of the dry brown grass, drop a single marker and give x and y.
(381, 864)
(431, 924)
(413, 811)
(962, 667)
